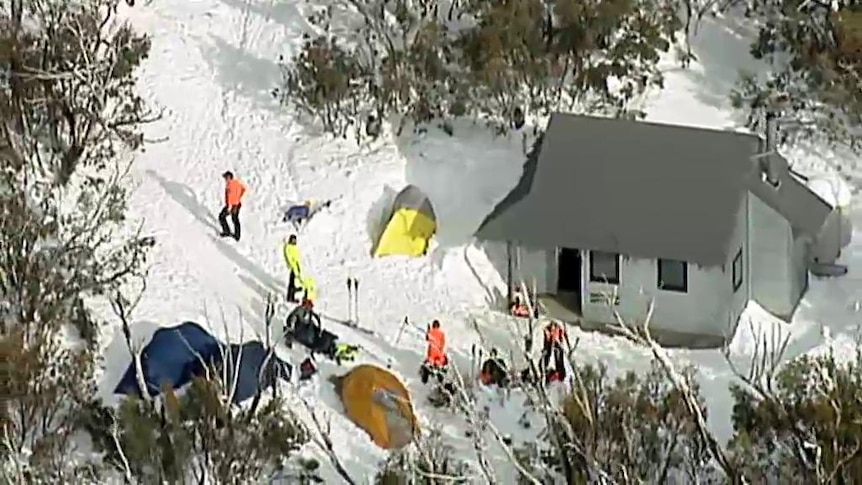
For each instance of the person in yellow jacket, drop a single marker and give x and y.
(292, 258)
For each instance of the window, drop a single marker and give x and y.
(737, 270)
(672, 275)
(605, 267)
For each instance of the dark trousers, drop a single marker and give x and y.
(291, 287)
(427, 371)
(554, 350)
(233, 212)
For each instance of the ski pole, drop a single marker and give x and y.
(356, 299)
(349, 299)
(401, 331)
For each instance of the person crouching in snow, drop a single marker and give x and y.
(493, 371)
(435, 357)
(298, 214)
(292, 259)
(519, 309)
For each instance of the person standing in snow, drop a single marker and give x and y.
(233, 192)
(435, 357)
(292, 258)
(552, 346)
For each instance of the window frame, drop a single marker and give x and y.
(677, 288)
(605, 279)
(737, 276)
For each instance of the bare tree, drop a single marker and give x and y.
(505, 63)
(69, 121)
(813, 51)
(684, 385)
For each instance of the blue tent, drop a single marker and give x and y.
(176, 354)
(257, 370)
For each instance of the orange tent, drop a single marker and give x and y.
(378, 402)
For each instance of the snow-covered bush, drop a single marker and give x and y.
(427, 462)
(635, 427)
(803, 424)
(815, 51)
(44, 384)
(426, 60)
(69, 119)
(70, 122)
(199, 437)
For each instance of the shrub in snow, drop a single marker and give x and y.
(816, 70)
(429, 461)
(794, 422)
(44, 386)
(634, 427)
(802, 425)
(503, 62)
(199, 437)
(69, 119)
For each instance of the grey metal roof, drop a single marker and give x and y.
(804, 209)
(642, 189)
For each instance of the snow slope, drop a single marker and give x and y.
(212, 68)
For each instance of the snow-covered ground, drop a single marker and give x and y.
(212, 68)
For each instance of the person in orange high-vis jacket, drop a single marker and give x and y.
(233, 192)
(435, 356)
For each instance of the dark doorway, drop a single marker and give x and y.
(569, 277)
(569, 267)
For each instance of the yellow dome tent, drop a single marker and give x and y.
(376, 401)
(411, 224)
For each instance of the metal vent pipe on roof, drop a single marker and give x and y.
(772, 165)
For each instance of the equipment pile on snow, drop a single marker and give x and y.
(303, 325)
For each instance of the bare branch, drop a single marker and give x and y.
(115, 435)
(122, 307)
(644, 338)
(323, 439)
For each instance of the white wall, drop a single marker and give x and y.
(540, 264)
(799, 258)
(740, 298)
(710, 307)
(770, 246)
(702, 310)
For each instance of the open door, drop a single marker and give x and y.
(569, 278)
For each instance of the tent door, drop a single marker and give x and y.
(569, 279)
